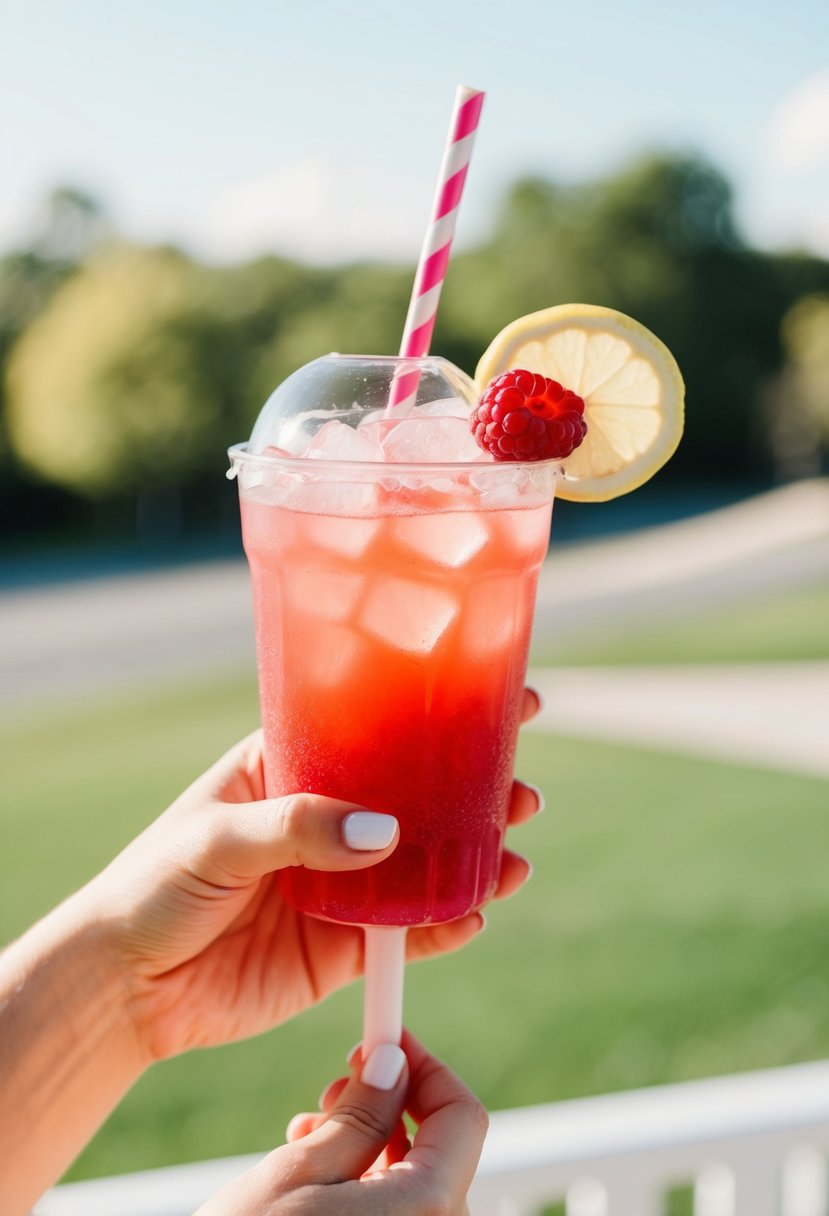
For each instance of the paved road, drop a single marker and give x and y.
(774, 541)
(57, 643)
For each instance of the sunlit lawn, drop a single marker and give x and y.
(677, 924)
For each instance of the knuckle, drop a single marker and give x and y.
(365, 1120)
(297, 1166)
(478, 1116)
(287, 815)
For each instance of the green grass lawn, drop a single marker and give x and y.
(677, 925)
(782, 625)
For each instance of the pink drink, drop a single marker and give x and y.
(392, 647)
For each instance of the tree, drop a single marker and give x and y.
(657, 240)
(360, 309)
(124, 382)
(799, 399)
(69, 225)
(131, 371)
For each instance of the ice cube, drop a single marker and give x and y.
(348, 537)
(523, 531)
(431, 440)
(500, 485)
(448, 540)
(507, 494)
(490, 617)
(337, 441)
(332, 496)
(377, 429)
(329, 595)
(335, 655)
(267, 484)
(407, 615)
(297, 432)
(250, 476)
(445, 407)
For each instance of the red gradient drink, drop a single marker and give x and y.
(392, 654)
(393, 606)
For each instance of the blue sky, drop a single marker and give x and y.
(315, 127)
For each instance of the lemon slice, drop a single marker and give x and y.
(632, 388)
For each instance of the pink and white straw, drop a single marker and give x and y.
(385, 947)
(437, 244)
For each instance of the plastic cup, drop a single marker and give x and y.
(393, 605)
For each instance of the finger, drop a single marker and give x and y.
(301, 1125)
(395, 1150)
(515, 871)
(239, 842)
(398, 1146)
(361, 1122)
(453, 1123)
(431, 940)
(525, 801)
(532, 703)
(331, 1093)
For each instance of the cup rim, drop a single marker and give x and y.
(238, 452)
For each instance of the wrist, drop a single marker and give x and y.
(68, 1049)
(69, 959)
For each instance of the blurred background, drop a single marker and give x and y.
(196, 200)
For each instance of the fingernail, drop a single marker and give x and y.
(538, 696)
(349, 1059)
(484, 922)
(539, 797)
(367, 831)
(383, 1068)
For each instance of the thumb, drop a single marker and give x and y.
(356, 1131)
(363, 1119)
(244, 840)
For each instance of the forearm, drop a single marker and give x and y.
(68, 1050)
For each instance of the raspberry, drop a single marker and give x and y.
(522, 416)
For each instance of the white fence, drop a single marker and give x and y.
(749, 1145)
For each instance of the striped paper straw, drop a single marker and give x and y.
(434, 256)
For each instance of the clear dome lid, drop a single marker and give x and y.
(356, 390)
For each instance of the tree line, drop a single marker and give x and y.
(127, 370)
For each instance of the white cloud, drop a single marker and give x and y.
(318, 212)
(799, 126)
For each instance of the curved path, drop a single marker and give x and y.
(774, 715)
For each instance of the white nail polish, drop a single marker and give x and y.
(367, 831)
(384, 1066)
